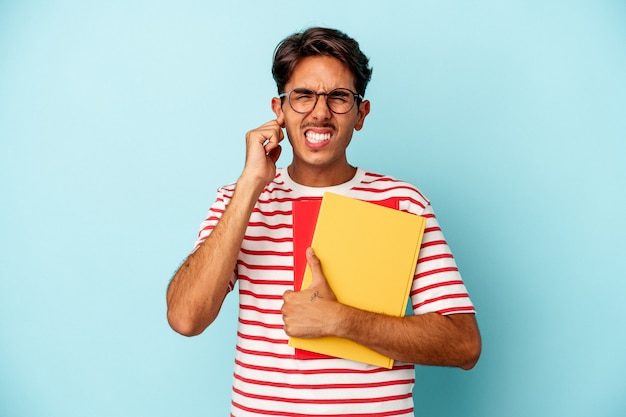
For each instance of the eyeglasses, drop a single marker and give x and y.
(339, 100)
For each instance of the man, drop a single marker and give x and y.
(321, 75)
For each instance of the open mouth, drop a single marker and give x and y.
(317, 138)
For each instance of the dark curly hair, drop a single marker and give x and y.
(320, 41)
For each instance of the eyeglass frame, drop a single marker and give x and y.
(357, 99)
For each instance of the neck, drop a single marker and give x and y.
(319, 177)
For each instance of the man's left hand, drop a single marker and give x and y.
(312, 312)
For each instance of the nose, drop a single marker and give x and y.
(321, 111)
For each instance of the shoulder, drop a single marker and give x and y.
(275, 196)
(374, 186)
(275, 188)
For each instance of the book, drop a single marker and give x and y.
(368, 254)
(304, 214)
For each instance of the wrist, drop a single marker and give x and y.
(254, 183)
(342, 320)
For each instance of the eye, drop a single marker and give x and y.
(339, 96)
(301, 94)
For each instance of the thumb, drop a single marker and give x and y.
(318, 280)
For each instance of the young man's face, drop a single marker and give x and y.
(320, 137)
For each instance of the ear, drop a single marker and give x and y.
(277, 108)
(364, 110)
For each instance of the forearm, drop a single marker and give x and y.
(428, 339)
(196, 292)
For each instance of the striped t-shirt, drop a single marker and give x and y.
(268, 380)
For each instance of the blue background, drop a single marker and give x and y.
(119, 119)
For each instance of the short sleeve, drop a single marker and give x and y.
(437, 285)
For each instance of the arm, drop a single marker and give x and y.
(196, 293)
(428, 339)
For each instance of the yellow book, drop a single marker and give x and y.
(368, 254)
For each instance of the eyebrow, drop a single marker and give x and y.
(305, 89)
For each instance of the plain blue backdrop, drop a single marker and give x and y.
(119, 119)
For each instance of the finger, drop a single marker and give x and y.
(275, 124)
(273, 139)
(274, 154)
(272, 123)
(268, 132)
(272, 135)
(316, 268)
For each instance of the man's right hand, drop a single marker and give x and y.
(263, 149)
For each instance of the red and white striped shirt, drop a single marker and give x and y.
(268, 380)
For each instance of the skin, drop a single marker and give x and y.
(196, 292)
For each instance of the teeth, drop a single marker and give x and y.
(317, 137)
